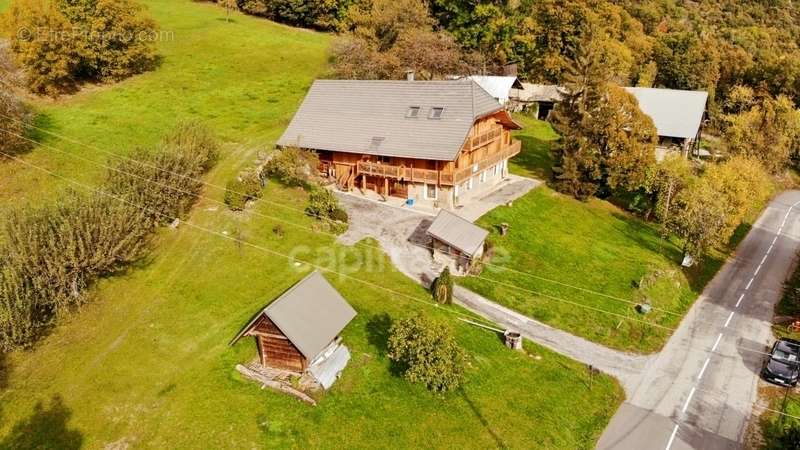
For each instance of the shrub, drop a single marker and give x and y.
(167, 181)
(293, 166)
(66, 41)
(278, 230)
(340, 215)
(247, 186)
(442, 288)
(15, 123)
(427, 353)
(321, 203)
(49, 255)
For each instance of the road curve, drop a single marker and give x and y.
(699, 391)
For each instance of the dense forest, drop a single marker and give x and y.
(710, 45)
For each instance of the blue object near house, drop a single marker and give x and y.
(410, 201)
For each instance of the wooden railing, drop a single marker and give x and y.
(483, 138)
(460, 175)
(432, 176)
(398, 172)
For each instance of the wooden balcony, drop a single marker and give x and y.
(463, 174)
(414, 175)
(483, 138)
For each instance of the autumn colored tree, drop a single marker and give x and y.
(699, 218)
(40, 39)
(62, 42)
(665, 181)
(606, 141)
(765, 128)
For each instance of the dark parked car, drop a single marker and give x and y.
(783, 365)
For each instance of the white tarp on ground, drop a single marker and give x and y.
(327, 371)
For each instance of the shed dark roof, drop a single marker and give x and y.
(457, 232)
(311, 314)
(371, 117)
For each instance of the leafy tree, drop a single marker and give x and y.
(766, 128)
(61, 42)
(319, 14)
(699, 218)
(606, 141)
(245, 187)
(442, 287)
(229, 5)
(380, 22)
(115, 38)
(686, 61)
(427, 353)
(665, 181)
(741, 183)
(40, 39)
(321, 203)
(293, 166)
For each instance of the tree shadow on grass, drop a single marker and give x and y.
(5, 368)
(535, 157)
(482, 419)
(378, 332)
(47, 427)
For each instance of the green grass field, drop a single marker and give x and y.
(592, 245)
(146, 362)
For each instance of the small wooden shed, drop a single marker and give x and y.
(457, 240)
(301, 327)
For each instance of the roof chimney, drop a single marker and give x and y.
(409, 75)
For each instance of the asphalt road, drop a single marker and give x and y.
(698, 393)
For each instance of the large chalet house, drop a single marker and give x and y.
(438, 143)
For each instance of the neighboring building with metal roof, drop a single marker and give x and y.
(677, 114)
(300, 329)
(418, 140)
(502, 88)
(456, 239)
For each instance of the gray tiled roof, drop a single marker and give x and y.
(457, 232)
(311, 314)
(353, 115)
(675, 113)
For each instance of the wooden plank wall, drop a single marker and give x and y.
(276, 349)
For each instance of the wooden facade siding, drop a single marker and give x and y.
(275, 349)
(488, 143)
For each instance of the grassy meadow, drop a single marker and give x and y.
(146, 362)
(592, 245)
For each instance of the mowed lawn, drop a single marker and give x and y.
(146, 362)
(587, 245)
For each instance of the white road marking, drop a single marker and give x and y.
(758, 269)
(770, 249)
(703, 370)
(688, 399)
(719, 338)
(740, 300)
(774, 240)
(764, 259)
(727, 322)
(748, 284)
(672, 437)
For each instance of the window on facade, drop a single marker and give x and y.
(436, 112)
(430, 191)
(483, 176)
(413, 112)
(496, 169)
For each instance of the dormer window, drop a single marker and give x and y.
(436, 112)
(413, 112)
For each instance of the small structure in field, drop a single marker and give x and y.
(456, 241)
(299, 331)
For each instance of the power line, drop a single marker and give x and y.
(507, 285)
(528, 274)
(236, 239)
